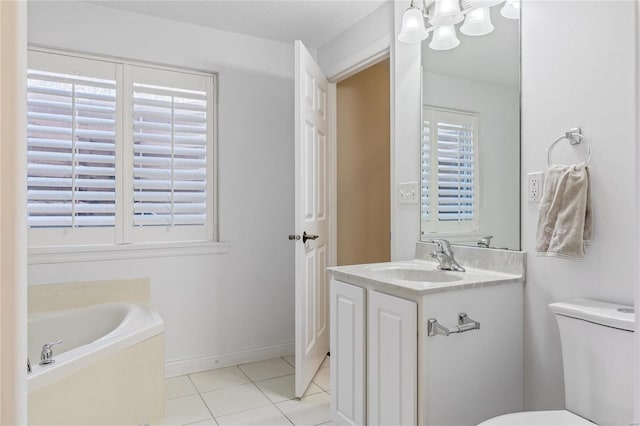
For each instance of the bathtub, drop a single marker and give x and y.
(108, 368)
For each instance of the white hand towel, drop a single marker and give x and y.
(564, 214)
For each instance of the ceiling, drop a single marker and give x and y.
(315, 22)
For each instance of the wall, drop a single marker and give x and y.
(499, 133)
(378, 26)
(575, 76)
(225, 308)
(363, 166)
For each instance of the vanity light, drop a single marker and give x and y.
(447, 12)
(477, 22)
(417, 24)
(511, 9)
(413, 28)
(444, 38)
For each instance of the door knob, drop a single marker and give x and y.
(306, 237)
(294, 237)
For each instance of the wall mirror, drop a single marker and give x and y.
(470, 147)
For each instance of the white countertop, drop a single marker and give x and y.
(366, 275)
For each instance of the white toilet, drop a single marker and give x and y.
(597, 354)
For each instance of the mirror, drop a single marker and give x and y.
(470, 189)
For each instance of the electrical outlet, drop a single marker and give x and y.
(535, 182)
(408, 193)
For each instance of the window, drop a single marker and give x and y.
(449, 167)
(117, 152)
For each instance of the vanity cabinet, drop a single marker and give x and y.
(372, 382)
(387, 368)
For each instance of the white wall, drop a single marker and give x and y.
(378, 25)
(499, 153)
(575, 73)
(223, 308)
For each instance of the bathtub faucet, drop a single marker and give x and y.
(46, 356)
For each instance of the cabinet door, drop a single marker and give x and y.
(347, 331)
(392, 365)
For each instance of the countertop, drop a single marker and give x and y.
(366, 275)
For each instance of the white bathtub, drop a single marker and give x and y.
(109, 352)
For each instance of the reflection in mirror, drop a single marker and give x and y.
(470, 146)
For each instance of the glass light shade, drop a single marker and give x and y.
(444, 38)
(413, 29)
(486, 3)
(446, 12)
(477, 22)
(511, 9)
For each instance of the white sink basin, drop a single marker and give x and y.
(407, 273)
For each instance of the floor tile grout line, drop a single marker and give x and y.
(203, 401)
(274, 404)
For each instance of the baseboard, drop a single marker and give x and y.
(179, 367)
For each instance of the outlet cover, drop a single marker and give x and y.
(408, 193)
(535, 185)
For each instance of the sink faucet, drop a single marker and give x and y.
(46, 356)
(444, 256)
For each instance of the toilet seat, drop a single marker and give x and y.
(538, 418)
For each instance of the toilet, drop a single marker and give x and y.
(597, 355)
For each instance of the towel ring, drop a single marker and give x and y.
(575, 137)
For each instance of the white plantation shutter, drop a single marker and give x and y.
(118, 153)
(71, 149)
(171, 144)
(450, 178)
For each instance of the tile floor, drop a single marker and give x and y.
(259, 393)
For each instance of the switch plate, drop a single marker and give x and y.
(408, 193)
(535, 185)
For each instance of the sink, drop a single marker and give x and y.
(415, 274)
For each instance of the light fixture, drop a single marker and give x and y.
(477, 22)
(413, 28)
(511, 9)
(447, 12)
(444, 38)
(441, 16)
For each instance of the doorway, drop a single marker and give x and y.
(363, 166)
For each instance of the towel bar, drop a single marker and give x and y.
(575, 137)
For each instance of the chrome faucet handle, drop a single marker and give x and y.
(485, 241)
(443, 245)
(47, 353)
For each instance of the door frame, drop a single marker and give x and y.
(366, 57)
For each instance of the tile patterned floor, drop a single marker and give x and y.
(259, 393)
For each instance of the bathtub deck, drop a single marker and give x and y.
(257, 393)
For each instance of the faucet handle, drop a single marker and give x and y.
(443, 245)
(485, 241)
(47, 346)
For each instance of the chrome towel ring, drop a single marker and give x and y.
(575, 137)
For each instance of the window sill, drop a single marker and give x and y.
(93, 253)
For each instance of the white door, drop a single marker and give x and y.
(392, 370)
(347, 354)
(311, 289)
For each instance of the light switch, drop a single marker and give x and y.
(408, 193)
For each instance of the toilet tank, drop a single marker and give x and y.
(597, 355)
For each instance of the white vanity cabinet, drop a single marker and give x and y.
(388, 369)
(373, 383)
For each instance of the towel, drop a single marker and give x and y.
(564, 216)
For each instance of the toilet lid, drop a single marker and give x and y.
(538, 418)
